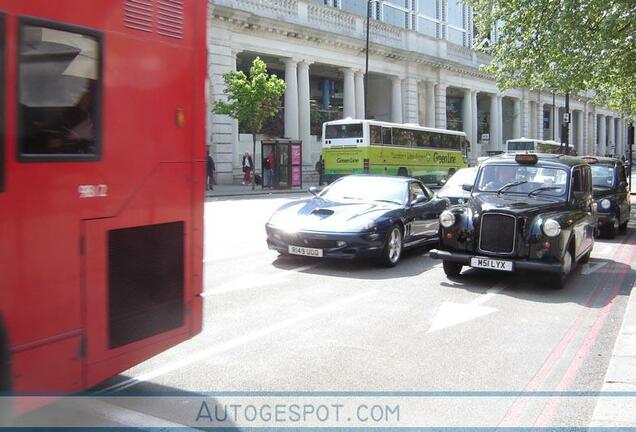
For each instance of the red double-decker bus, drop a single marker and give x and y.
(101, 186)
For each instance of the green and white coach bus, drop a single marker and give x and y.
(353, 146)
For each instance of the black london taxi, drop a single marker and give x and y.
(611, 193)
(525, 212)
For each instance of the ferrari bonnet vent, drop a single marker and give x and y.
(322, 212)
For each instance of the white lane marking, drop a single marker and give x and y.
(450, 314)
(592, 267)
(234, 343)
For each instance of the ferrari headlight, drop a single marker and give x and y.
(551, 228)
(606, 204)
(447, 219)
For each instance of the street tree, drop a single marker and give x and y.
(252, 100)
(566, 46)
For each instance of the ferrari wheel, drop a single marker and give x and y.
(392, 247)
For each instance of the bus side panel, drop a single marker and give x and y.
(341, 162)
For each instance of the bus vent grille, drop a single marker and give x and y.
(138, 14)
(170, 18)
(163, 16)
(145, 282)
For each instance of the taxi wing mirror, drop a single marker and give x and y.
(467, 187)
(622, 184)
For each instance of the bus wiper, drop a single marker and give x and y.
(543, 188)
(510, 185)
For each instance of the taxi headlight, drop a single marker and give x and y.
(551, 228)
(606, 204)
(447, 219)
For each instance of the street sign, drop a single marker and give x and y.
(566, 117)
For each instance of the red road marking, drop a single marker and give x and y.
(583, 353)
(515, 410)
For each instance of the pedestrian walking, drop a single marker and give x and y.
(248, 167)
(210, 168)
(268, 164)
(320, 169)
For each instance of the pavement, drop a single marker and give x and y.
(225, 190)
(621, 373)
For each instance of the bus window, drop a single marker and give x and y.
(386, 136)
(376, 135)
(520, 146)
(435, 140)
(451, 142)
(421, 139)
(350, 130)
(403, 137)
(59, 97)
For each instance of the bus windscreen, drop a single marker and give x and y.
(349, 130)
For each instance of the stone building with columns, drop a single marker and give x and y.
(421, 70)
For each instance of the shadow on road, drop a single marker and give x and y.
(412, 263)
(146, 406)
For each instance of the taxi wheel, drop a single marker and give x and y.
(623, 227)
(452, 269)
(559, 279)
(392, 251)
(610, 231)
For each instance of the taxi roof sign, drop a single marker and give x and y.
(526, 158)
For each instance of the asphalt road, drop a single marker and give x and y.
(297, 325)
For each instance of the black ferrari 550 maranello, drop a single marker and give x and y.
(358, 216)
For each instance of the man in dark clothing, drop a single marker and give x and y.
(210, 173)
(320, 168)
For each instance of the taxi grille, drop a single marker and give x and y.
(497, 233)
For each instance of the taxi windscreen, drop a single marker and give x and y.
(523, 179)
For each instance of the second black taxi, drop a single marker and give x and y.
(611, 193)
(525, 212)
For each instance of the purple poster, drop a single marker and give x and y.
(295, 150)
(295, 176)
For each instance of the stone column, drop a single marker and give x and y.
(516, 118)
(593, 144)
(580, 148)
(602, 137)
(291, 99)
(500, 143)
(304, 110)
(539, 119)
(556, 124)
(440, 106)
(611, 133)
(620, 136)
(585, 119)
(359, 78)
(493, 124)
(410, 112)
(349, 108)
(525, 118)
(430, 104)
(467, 114)
(396, 100)
(222, 134)
(475, 130)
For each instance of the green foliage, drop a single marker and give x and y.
(251, 100)
(564, 46)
